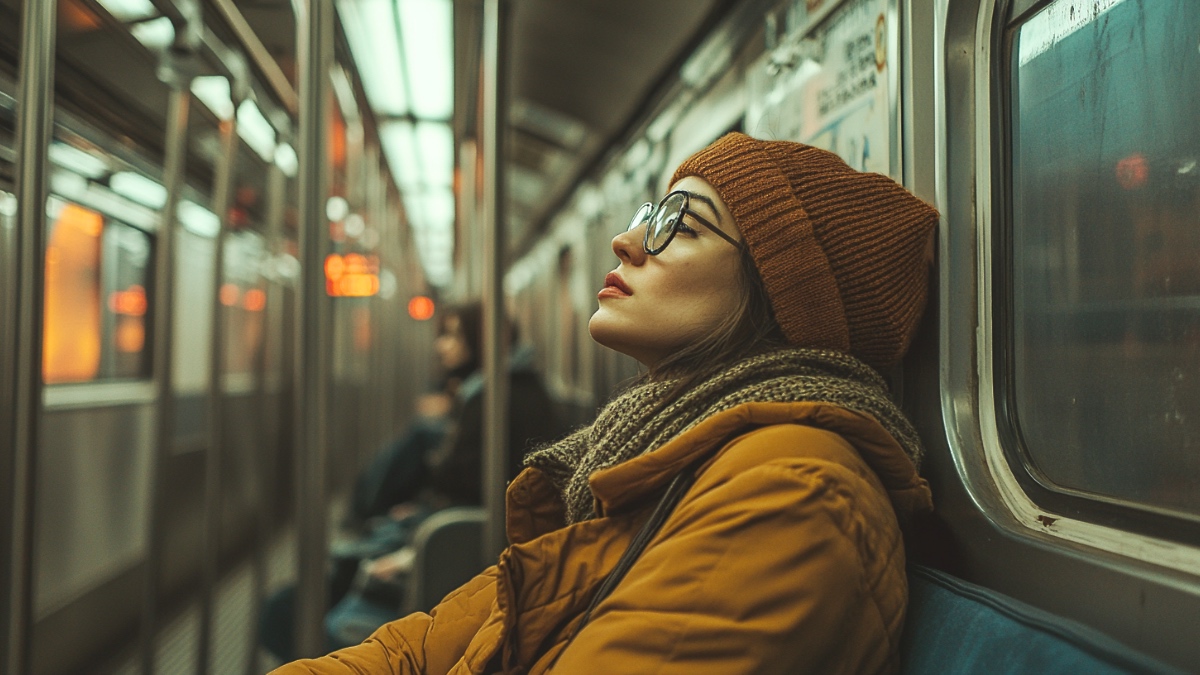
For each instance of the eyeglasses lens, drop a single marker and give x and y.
(640, 216)
(662, 223)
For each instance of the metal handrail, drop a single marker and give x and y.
(222, 197)
(314, 33)
(495, 338)
(259, 55)
(22, 379)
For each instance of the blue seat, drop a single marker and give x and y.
(957, 627)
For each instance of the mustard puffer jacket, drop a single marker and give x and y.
(785, 556)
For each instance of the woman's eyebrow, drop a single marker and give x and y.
(709, 202)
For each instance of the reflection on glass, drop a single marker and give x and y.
(244, 300)
(71, 334)
(1106, 249)
(95, 298)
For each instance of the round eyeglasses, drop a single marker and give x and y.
(665, 219)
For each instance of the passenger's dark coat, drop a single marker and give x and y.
(455, 466)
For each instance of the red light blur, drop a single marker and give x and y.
(420, 308)
(1132, 171)
(230, 294)
(254, 300)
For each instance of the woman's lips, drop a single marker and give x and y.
(614, 287)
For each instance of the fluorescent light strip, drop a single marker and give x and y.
(370, 27)
(129, 10)
(155, 34)
(427, 31)
(138, 188)
(83, 163)
(343, 91)
(286, 159)
(400, 147)
(198, 220)
(435, 145)
(256, 130)
(214, 92)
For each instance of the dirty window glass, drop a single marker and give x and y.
(1105, 337)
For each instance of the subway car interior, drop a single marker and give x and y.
(235, 236)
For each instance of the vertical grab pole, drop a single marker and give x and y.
(176, 69)
(22, 381)
(495, 337)
(164, 323)
(211, 547)
(314, 41)
(264, 493)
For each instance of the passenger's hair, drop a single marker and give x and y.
(470, 320)
(750, 329)
(470, 317)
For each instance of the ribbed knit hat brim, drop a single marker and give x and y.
(842, 253)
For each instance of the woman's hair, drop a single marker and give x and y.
(470, 321)
(750, 329)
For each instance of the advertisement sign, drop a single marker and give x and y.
(835, 88)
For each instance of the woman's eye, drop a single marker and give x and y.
(685, 228)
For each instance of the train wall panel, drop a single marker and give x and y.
(92, 499)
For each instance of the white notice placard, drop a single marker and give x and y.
(835, 89)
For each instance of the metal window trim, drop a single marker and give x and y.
(967, 376)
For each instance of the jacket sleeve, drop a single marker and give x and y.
(762, 573)
(417, 644)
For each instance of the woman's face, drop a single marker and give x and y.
(671, 299)
(451, 344)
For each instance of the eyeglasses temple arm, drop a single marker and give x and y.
(716, 230)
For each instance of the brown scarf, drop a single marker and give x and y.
(637, 421)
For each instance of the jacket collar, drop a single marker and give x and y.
(632, 482)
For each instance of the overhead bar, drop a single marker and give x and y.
(259, 55)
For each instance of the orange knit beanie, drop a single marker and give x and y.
(842, 254)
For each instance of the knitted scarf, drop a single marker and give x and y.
(640, 420)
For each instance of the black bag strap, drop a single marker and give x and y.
(670, 499)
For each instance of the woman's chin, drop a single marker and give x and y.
(612, 335)
(601, 328)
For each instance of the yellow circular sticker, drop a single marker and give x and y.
(880, 43)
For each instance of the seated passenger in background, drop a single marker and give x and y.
(434, 465)
(738, 510)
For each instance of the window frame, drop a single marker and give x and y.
(987, 454)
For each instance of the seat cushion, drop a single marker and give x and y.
(956, 627)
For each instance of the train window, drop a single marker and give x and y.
(244, 299)
(1103, 357)
(95, 297)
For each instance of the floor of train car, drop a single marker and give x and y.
(233, 631)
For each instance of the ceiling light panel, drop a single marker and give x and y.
(213, 91)
(256, 130)
(371, 28)
(154, 34)
(83, 163)
(427, 35)
(129, 10)
(400, 146)
(138, 188)
(435, 143)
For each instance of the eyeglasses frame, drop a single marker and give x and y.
(685, 210)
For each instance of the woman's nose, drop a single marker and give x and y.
(628, 246)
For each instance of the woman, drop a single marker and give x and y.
(762, 294)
